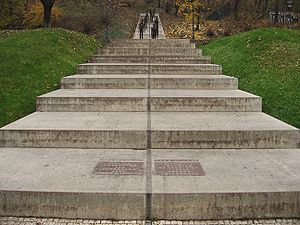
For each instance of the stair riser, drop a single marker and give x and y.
(73, 139)
(205, 104)
(201, 69)
(104, 83)
(72, 205)
(128, 41)
(102, 59)
(225, 139)
(154, 51)
(160, 139)
(103, 104)
(220, 206)
(158, 104)
(177, 206)
(202, 84)
(155, 83)
(152, 45)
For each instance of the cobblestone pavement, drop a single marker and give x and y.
(54, 221)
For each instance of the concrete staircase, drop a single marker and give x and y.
(150, 129)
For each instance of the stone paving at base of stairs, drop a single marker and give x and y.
(56, 221)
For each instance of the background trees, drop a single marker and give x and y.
(212, 17)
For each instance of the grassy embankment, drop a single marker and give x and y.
(267, 63)
(33, 62)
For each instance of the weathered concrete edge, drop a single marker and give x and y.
(171, 206)
(72, 205)
(207, 206)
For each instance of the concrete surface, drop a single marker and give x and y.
(221, 130)
(109, 51)
(250, 160)
(168, 130)
(243, 185)
(118, 81)
(139, 68)
(89, 100)
(180, 59)
(77, 130)
(59, 221)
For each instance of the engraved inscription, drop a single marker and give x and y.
(119, 168)
(178, 168)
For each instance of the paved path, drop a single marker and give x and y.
(55, 221)
(147, 32)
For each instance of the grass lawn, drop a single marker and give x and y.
(33, 62)
(267, 63)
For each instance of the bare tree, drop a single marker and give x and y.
(236, 8)
(276, 11)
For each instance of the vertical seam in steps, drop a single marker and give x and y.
(148, 152)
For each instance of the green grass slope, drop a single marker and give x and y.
(267, 63)
(33, 62)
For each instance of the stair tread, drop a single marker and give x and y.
(243, 171)
(90, 93)
(146, 76)
(165, 121)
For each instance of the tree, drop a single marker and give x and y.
(11, 13)
(48, 5)
(186, 7)
(236, 9)
(276, 20)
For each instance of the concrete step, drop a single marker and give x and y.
(136, 81)
(197, 130)
(135, 68)
(77, 130)
(135, 100)
(152, 43)
(64, 183)
(221, 130)
(180, 59)
(147, 51)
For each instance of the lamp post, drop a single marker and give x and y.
(106, 20)
(290, 4)
(193, 20)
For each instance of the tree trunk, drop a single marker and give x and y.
(258, 9)
(198, 20)
(266, 8)
(236, 9)
(276, 11)
(176, 8)
(48, 5)
(158, 3)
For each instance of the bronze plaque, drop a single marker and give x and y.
(119, 168)
(178, 168)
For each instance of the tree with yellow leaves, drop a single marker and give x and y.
(190, 9)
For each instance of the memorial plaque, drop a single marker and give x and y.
(119, 168)
(178, 168)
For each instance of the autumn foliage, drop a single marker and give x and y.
(33, 17)
(25, 14)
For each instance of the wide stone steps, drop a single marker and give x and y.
(184, 130)
(180, 59)
(256, 183)
(141, 81)
(135, 68)
(135, 100)
(151, 44)
(171, 43)
(146, 51)
(150, 126)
